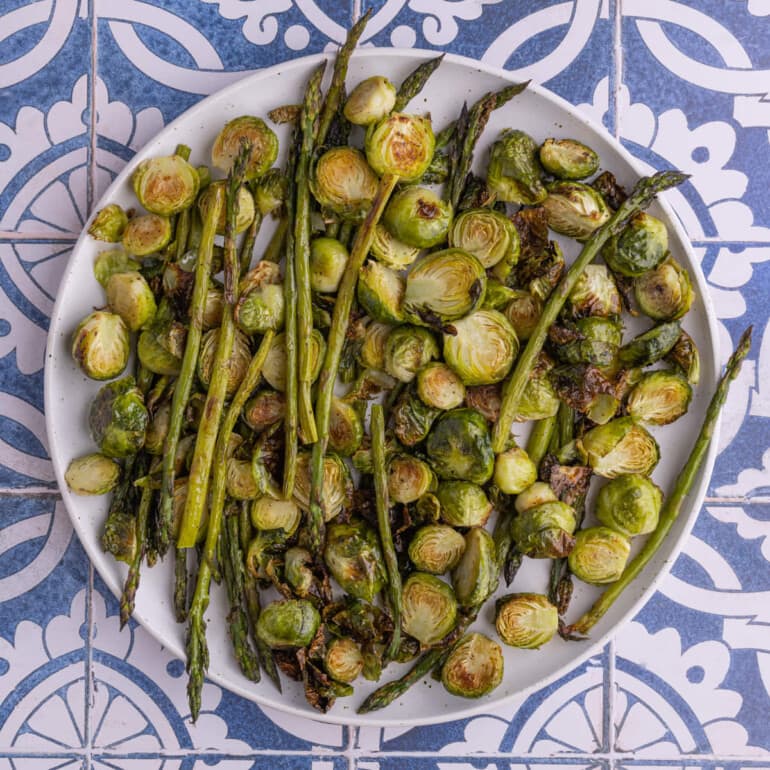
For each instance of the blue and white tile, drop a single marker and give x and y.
(197, 761)
(42, 762)
(487, 763)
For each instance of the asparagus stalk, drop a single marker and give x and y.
(415, 82)
(673, 504)
(383, 522)
(249, 239)
(642, 195)
(540, 438)
(180, 585)
(128, 597)
(186, 377)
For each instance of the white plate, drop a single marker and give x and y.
(68, 392)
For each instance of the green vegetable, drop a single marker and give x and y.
(629, 504)
(100, 345)
(290, 623)
(526, 620)
(436, 548)
(418, 217)
(568, 158)
(474, 667)
(165, 185)
(459, 447)
(429, 608)
(118, 418)
(599, 556)
(108, 224)
(92, 474)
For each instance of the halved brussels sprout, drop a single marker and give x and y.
(101, 345)
(246, 207)
(544, 531)
(154, 355)
(498, 295)
(412, 418)
(659, 398)
(459, 447)
(263, 141)
(261, 309)
(523, 311)
(274, 369)
(526, 620)
(146, 234)
(237, 365)
(444, 286)
(264, 409)
(268, 513)
(595, 294)
(380, 292)
(482, 349)
(270, 192)
(487, 234)
(113, 261)
(586, 389)
(407, 350)
(371, 100)
(514, 471)
(664, 293)
(118, 418)
(155, 436)
(436, 548)
(241, 481)
(620, 446)
(568, 158)
(346, 431)
(402, 145)
(288, 623)
(130, 296)
(538, 399)
(514, 173)
(119, 536)
(438, 386)
(463, 503)
(372, 351)
(629, 504)
(343, 660)
(685, 357)
(165, 185)
(575, 209)
(642, 245)
(485, 399)
(474, 667)
(651, 346)
(599, 556)
(429, 610)
(344, 183)
(297, 564)
(418, 217)
(597, 341)
(409, 478)
(354, 558)
(386, 248)
(92, 474)
(336, 490)
(108, 224)
(262, 553)
(475, 576)
(535, 494)
(328, 260)
(539, 273)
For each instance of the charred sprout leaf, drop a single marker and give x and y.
(152, 349)
(459, 446)
(685, 357)
(407, 350)
(344, 183)
(575, 209)
(629, 504)
(252, 131)
(412, 418)
(474, 667)
(641, 246)
(539, 274)
(487, 234)
(463, 503)
(343, 660)
(418, 217)
(328, 258)
(659, 398)
(514, 471)
(409, 478)
(650, 346)
(92, 474)
(526, 620)
(268, 514)
(664, 293)
(371, 100)
(401, 145)
(429, 608)
(165, 185)
(438, 386)
(100, 345)
(386, 248)
(610, 190)
(298, 572)
(241, 482)
(118, 418)
(380, 292)
(108, 224)
(584, 388)
(523, 311)
(620, 446)
(568, 158)
(595, 294)
(599, 556)
(290, 623)
(436, 548)
(475, 576)
(544, 531)
(514, 173)
(346, 431)
(354, 558)
(538, 400)
(146, 234)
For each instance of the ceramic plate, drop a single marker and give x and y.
(68, 392)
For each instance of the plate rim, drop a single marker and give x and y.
(696, 496)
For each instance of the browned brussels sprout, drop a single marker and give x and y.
(620, 446)
(346, 431)
(599, 556)
(354, 557)
(474, 667)
(92, 474)
(651, 346)
(544, 531)
(402, 145)
(289, 623)
(575, 209)
(629, 504)
(146, 234)
(459, 446)
(165, 185)
(409, 478)
(487, 234)
(344, 183)
(665, 292)
(641, 246)
(263, 142)
(418, 217)
(526, 620)
(407, 350)
(100, 345)
(436, 548)
(685, 357)
(659, 398)
(514, 173)
(475, 576)
(118, 418)
(438, 386)
(371, 100)
(343, 660)
(568, 158)
(380, 292)
(412, 418)
(429, 610)
(463, 503)
(108, 224)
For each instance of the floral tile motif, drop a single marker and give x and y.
(202, 761)
(457, 763)
(42, 762)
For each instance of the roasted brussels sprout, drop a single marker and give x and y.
(514, 471)
(371, 100)
(659, 398)
(412, 418)
(535, 494)
(261, 309)
(344, 183)
(407, 350)
(544, 531)
(418, 217)
(444, 286)
(346, 431)
(165, 185)
(459, 447)
(289, 623)
(386, 248)
(246, 207)
(274, 369)
(402, 145)
(540, 273)
(297, 564)
(595, 294)
(475, 576)
(642, 245)
(474, 667)
(526, 620)
(336, 490)
(436, 548)
(270, 192)
(487, 234)
(264, 409)
(482, 349)
(485, 399)
(354, 557)
(586, 389)
(629, 504)
(152, 349)
(523, 311)
(92, 474)
(371, 354)
(100, 345)
(237, 365)
(328, 259)
(539, 399)
(438, 386)
(599, 556)
(261, 138)
(118, 418)
(108, 224)
(241, 481)
(113, 261)
(429, 609)
(463, 503)
(409, 478)
(685, 357)
(146, 234)
(129, 295)
(343, 660)
(119, 536)
(620, 446)
(268, 513)
(157, 429)
(568, 158)
(498, 295)
(651, 346)
(575, 209)
(514, 173)
(664, 293)
(380, 292)
(596, 341)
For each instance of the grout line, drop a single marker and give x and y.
(47, 492)
(610, 705)
(89, 685)
(6, 235)
(91, 197)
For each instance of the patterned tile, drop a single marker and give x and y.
(201, 761)
(457, 763)
(42, 762)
